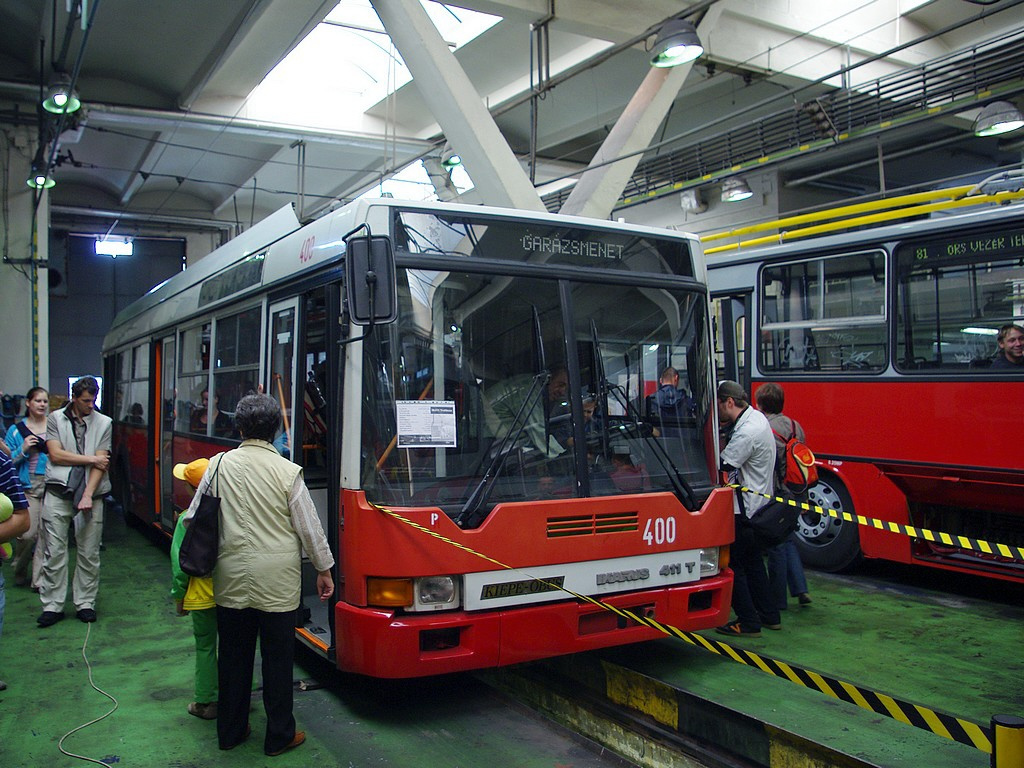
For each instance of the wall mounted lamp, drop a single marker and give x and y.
(677, 43)
(114, 248)
(692, 201)
(734, 190)
(996, 118)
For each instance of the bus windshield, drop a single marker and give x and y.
(493, 388)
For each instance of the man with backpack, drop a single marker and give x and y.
(784, 566)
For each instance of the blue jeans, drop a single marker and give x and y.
(785, 568)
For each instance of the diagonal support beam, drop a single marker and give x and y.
(601, 186)
(497, 175)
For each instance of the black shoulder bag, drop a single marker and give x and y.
(198, 553)
(774, 521)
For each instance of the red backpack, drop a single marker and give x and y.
(801, 472)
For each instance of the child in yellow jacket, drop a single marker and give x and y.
(194, 595)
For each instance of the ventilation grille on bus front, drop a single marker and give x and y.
(590, 525)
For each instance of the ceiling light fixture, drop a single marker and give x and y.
(735, 190)
(677, 43)
(61, 98)
(115, 248)
(996, 118)
(449, 157)
(39, 178)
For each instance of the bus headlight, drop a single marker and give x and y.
(435, 593)
(709, 562)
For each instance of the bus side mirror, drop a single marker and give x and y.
(371, 283)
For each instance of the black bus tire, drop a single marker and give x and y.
(825, 542)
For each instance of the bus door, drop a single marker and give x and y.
(729, 314)
(163, 428)
(298, 381)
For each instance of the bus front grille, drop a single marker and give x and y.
(591, 525)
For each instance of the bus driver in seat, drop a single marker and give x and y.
(545, 423)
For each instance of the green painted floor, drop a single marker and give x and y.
(140, 653)
(948, 642)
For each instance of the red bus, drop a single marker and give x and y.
(498, 405)
(884, 340)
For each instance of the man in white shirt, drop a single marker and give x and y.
(749, 458)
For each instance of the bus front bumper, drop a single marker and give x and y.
(382, 643)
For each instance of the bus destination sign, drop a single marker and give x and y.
(991, 244)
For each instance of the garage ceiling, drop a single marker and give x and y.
(164, 138)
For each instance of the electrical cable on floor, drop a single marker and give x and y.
(60, 744)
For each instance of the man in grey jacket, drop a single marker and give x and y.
(78, 441)
(749, 458)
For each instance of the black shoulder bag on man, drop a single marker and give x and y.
(198, 553)
(78, 475)
(774, 521)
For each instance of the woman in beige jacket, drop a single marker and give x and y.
(266, 519)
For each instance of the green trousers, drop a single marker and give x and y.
(204, 627)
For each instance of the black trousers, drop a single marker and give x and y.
(751, 599)
(237, 631)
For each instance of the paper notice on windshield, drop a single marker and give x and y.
(425, 423)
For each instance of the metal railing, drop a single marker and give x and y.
(949, 84)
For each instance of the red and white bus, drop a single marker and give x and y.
(883, 340)
(497, 402)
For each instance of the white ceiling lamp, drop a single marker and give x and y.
(735, 190)
(677, 43)
(61, 98)
(996, 118)
(114, 248)
(450, 158)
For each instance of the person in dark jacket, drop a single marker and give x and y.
(669, 406)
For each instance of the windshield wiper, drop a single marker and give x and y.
(679, 484)
(512, 435)
(508, 442)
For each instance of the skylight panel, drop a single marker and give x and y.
(347, 63)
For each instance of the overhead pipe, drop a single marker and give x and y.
(870, 219)
(111, 114)
(147, 218)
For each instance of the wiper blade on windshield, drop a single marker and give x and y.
(508, 442)
(515, 429)
(679, 484)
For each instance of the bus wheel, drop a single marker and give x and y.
(825, 542)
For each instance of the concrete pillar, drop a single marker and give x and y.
(455, 104)
(24, 283)
(600, 188)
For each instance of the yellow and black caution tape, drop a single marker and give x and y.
(948, 726)
(937, 537)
